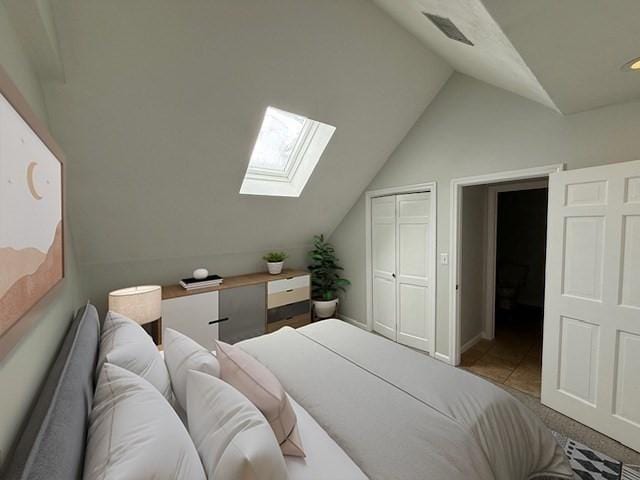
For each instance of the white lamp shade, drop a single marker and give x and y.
(141, 304)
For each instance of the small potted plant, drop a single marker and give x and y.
(275, 262)
(326, 281)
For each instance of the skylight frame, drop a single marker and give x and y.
(300, 164)
(293, 162)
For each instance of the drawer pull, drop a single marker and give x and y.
(290, 290)
(219, 320)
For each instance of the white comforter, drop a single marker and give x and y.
(402, 415)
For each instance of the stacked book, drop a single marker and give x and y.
(194, 284)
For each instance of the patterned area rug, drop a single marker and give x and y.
(589, 464)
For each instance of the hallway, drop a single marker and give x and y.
(514, 357)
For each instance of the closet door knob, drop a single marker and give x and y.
(393, 275)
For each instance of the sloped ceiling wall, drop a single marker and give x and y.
(162, 104)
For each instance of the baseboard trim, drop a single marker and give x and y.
(442, 357)
(471, 342)
(353, 322)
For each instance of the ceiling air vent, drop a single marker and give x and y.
(447, 27)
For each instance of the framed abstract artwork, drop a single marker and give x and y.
(31, 211)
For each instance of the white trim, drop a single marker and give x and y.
(442, 357)
(418, 188)
(455, 210)
(472, 342)
(354, 322)
(491, 250)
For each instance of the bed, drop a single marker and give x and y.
(400, 414)
(366, 408)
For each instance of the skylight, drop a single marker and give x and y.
(287, 150)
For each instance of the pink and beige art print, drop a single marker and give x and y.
(31, 243)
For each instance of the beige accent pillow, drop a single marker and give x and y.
(134, 433)
(259, 385)
(125, 343)
(232, 437)
(182, 354)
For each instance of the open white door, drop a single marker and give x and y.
(414, 267)
(591, 357)
(383, 262)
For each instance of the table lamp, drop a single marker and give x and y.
(141, 304)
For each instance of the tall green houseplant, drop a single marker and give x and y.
(326, 281)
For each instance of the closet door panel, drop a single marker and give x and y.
(412, 258)
(413, 303)
(383, 251)
(412, 277)
(384, 307)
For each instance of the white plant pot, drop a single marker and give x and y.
(275, 267)
(325, 308)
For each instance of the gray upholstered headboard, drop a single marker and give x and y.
(52, 443)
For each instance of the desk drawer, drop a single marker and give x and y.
(288, 311)
(275, 286)
(288, 296)
(294, 322)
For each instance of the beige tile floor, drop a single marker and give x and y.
(513, 358)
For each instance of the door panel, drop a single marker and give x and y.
(413, 282)
(383, 252)
(632, 190)
(579, 352)
(591, 354)
(630, 291)
(628, 381)
(583, 246)
(384, 243)
(384, 306)
(413, 310)
(412, 253)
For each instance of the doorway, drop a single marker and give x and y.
(508, 347)
(453, 355)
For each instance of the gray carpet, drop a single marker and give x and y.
(589, 464)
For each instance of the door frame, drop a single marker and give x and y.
(455, 243)
(492, 248)
(400, 190)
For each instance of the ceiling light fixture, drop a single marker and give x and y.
(633, 65)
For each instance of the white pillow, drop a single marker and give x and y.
(233, 438)
(182, 354)
(134, 433)
(125, 343)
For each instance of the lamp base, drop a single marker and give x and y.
(154, 329)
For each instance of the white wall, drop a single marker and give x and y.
(23, 370)
(162, 105)
(472, 267)
(473, 128)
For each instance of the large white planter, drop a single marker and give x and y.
(275, 267)
(325, 308)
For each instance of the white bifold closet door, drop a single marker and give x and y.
(591, 355)
(400, 241)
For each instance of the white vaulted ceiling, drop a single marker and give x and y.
(576, 48)
(492, 58)
(565, 54)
